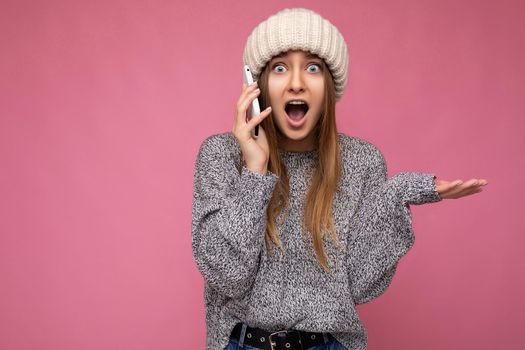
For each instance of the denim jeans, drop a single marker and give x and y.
(333, 344)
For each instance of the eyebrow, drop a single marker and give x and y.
(310, 55)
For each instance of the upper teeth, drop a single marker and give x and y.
(297, 102)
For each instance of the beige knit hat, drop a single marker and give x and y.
(298, 29)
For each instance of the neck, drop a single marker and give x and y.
(307, 144)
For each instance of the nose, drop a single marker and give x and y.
(296, 81)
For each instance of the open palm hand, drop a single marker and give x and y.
(457, 189)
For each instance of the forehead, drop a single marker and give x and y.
(307, 55)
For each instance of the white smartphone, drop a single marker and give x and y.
(255, 108)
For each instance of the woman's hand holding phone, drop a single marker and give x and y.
(256, 152)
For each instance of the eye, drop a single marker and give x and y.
(315, 64)
(281, 68)
(277, 65)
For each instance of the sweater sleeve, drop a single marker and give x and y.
(381, 231)
(228, 219)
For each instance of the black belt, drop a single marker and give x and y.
(286, 339)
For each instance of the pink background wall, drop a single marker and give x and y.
(104, 105)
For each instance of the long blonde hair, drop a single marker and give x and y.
(317, 215)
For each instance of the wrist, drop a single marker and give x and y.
(257, 169)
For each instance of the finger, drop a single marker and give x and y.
(251, 87)
(258, 118)
(246, 90)
(468, 192)
(448, 186)
(243, 105)
(248, 95)
(242, 121)
(453, 189)
(456, 184)
(457, 189)
(472, 183)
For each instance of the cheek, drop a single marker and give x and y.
(276, 85)
(319, 89)
(272, 97)
(315, 119)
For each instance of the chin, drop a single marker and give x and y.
(296, 135)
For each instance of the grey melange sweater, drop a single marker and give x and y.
(291, 290)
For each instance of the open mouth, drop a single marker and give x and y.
(296, 109)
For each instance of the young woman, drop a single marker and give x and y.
(292, 229)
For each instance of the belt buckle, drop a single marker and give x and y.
(272, 344)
